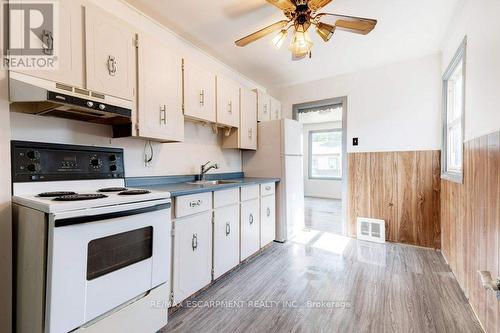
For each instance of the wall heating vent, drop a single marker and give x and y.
(371, 229)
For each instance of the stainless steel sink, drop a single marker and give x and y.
(215, 182)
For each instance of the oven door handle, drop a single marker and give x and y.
(100, 217)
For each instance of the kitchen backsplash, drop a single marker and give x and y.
(200, 145)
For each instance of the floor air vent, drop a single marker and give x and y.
(371, 230)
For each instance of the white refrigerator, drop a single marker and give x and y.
(279, 154)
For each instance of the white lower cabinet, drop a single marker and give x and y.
(192, 264)
(250, 228)
(226, 239)
(267, 219)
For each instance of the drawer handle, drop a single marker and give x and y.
(250, 218)
(268, 188)
(268, 211)
(228, 229)
(112, 65)
(202, 97)
(196, 203)
(194, 242)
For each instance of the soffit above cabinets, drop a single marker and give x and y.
(405, 29)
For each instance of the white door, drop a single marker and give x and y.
(159, 102)
(110, 54)
(267, 219)
(192, 268)
(226, 239)
(294, 194)
(250, 228)
(275, 109)
(292, 137)
(264, 106)
(199, 92)
(248, 123)
(228, 102)
(67, 43)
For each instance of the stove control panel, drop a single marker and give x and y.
(34, 161)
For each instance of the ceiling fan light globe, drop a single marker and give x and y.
(325, 31)
(280, 38)
(301, 43)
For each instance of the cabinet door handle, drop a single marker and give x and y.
(228, 229)
(268, 188)
(48, 42)
(196, 203)
(268, 211)
(202, 97)
(250, 218)
(163, 114)
(265, 108)
(112, 65)
(230, 109)
(194, 242)
(250, 133)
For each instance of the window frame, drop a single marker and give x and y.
(309, 153)
(458, 59)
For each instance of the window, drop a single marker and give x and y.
(453, 116)
(325, 154)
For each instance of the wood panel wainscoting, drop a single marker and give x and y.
(470, 214)
(402, 188)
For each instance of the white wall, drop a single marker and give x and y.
(480, 21)
(392, 108)
(319, 188)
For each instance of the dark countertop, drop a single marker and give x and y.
(178, 189)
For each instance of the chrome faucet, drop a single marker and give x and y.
(204, 169)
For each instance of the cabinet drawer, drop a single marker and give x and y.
(192, 204)
(267, 189)
(226, 197)
(249, 192)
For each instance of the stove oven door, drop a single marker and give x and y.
(99, 260)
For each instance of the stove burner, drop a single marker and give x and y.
(55, 194)
(134, 192)
(113, 189)
(76, 197)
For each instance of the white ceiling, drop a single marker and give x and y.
(406, 29)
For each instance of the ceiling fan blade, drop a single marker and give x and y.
(359, 25)
(261, 33)
(314, 5)
(284, 5)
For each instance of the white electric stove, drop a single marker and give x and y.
(91, 254)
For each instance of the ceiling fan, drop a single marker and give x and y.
(301, 14)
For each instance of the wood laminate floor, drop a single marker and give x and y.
(320, 282)
(323, 214)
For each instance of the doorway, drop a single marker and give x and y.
(325, 163)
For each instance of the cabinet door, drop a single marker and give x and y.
(192, 268)
(250, 228)
(263, 106)
(159, 98)
(110, 54)
(248, 123)
(228, 102)
(199, 92)
(267, 219)
(226, 239)
(275, 109)
(67, 45)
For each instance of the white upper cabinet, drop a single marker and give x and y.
(110, 54)
(246, 135)
(159, 95)
(66, 43)
(275, 109)
(199, 92)
(228, 102)
(263, 106)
